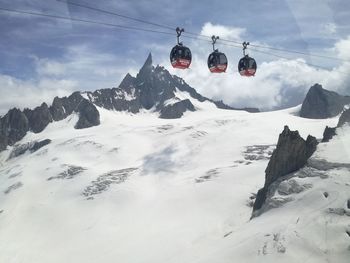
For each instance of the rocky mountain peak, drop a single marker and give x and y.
(145, 72)
(320, 103)
(149, 62)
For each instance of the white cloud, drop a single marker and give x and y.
(30, 93)
(80, 69)
(277, 83)
(90, 68)
(342, 47)
(46, 67)
(225, 32)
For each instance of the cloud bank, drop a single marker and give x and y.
(278, 83)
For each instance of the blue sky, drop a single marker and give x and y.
(41, 57)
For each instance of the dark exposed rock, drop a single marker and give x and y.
(221, 105)
(208, 175)
(128, 83)
(348, 204)
(258, 152)
(15, 124)
(104, 181)
(30, 146)
(37, 145)
(63, 107)
(323, 165)
(291, 153)
(119, 99)
(72, 102)
(69, 173)
(88, 115)
(176, 110)
(15, 175)
(38, 118)
(57, 109)
(291, 186)
(328, 134)
(249, 109)
(13, 127)
(260, 199)
(344, 118)
(13, 187)
(337, 210)
(309, 171)
(320, 103)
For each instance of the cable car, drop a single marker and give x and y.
(180, 56)
(246, 65)
(217, 61)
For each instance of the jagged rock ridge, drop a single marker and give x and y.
(16, 123)
(329, 132)
(320, 103)
(153, 88)
(291, 153)
(344, 118)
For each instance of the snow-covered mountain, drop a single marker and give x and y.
(138, 188)
(152, 171)
(154, 89)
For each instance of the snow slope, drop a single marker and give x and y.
(142, 189)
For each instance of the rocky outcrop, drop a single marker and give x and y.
(118, 99)
(61, 108)
(38, 118)
(221, 105)
(176, 110)
(30, 146)
(88, 115)
(13, 127)
(15, 124)
(291, 153)
(320, 103)
(328, 133)
(39, 144)
(57, 109)
(344, 118)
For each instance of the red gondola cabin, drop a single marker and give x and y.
(217, 62)
(247, 66)
(180, 57)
